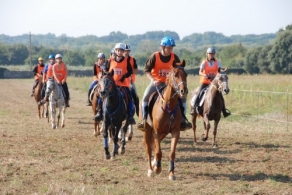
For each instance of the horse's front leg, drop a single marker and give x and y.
(63, 116)
(130, 133)
(105, 142)
(53, 112)
(122, 137)
(58, 115)
(39, 111)
(207, 128)
(194, 121)
(174, 139)
(115, 133)
(214, 144)
(156, 163)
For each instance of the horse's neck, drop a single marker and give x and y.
(169, 98)
(212, 93)
(113, 100)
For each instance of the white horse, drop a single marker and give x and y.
(56, 102)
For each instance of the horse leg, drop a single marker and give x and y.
(39, 111)
(156, 163)
(122, 135)
(53, 112)
(43, 111)
(130, 135)
(194, 120)
(207, 128)
(105, 142)
(63, 116)
(174, 139)
(115, 132)
(214, 144)
(147, 135)
(58, 116)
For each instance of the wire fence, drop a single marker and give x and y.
(265, 109)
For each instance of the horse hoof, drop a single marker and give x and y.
(95, 134)
(150, 173)
(107, 156)
(63, 125)
(128, 138)
(215, 145)
(157, 170)
(122, 150)
(171, 177)
(203, 138)
(113, 158)
(54, 127)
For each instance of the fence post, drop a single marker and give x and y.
(287, 110)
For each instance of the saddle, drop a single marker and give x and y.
(201, 98)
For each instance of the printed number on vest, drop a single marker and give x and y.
(163, 72)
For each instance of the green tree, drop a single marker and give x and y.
(74, 58)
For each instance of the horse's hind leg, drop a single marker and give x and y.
(58, 117)
(53, 112)
(63, 117)
(156, 164)
(147, 136)
(122, 137)
(207, 128)
(39, 111)
(130, 135)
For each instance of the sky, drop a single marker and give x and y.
(77, 18)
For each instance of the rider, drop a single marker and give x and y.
(97, 68)
(121, 69)
(59, 73)
(134, 65)
(156, 68)
(45, 74)
(38, 71)
(208, 70)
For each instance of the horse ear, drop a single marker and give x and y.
(174, 65)
(183, 63)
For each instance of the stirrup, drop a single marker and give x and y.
(98, 117)
(142, 125)
(88, 103)
(226, 113)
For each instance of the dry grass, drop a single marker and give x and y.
(254, 157)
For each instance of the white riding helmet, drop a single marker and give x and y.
(58, 56)
(120, 46)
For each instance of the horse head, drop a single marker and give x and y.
(106, 85)
(177, 78)
(220, 82)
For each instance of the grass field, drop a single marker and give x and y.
(254, 155)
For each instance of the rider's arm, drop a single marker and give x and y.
(35, 70)
(129, 71)
(135, 70)
(54, 73)
(66, 74)
(202, 68)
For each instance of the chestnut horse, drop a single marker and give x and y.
(94, 101)
(212, 106)
(37, 97)
(165, 117)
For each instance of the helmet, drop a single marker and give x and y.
(127, 47)
(120, 46)
(167, 41)
(113, 51)
(58, 56)
(40, 59)
(51, 56)
(100, 55)
(211, 50)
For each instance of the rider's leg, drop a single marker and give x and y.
(148, 91)
(131, 107)
(89, 92)
(194, 101)
(225, 111)
(67, 95)
(36, 81)
(43, 92)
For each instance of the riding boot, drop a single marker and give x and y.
(185, 124)
(225, 111)
(31, 95)
(43, 101)
(98, 117)
(131, 114)
(142, 125)
(88, 99)
(67, 103)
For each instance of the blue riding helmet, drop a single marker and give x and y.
(211, 50)
(100, 55)
(167, 42)
(51, 56)
(127, 47)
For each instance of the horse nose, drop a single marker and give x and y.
(102, 92)
(226, 90)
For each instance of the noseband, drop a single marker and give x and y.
(221, 84)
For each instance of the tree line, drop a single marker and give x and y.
(256, 54)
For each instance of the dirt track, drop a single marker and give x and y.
(38, 160)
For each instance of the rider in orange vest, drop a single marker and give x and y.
(121, 69)
(208, 70)
(38, 71)
(158, 65)
(98, 67)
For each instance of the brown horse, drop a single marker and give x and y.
(94, 101)
(37, 97)
(212, 106)
(164, 118)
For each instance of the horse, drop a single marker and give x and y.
(94, 101)
(37, 97)
(212, 106)
(56, 100)
(114, 113)
(164, 118)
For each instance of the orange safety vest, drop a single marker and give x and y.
(40, 70)
(119, 68)
(161, 69)
(211, 71)
(60, 71)
(50, 71)
(98, 70)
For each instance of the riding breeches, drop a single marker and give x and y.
(66, 91)
(36, 82)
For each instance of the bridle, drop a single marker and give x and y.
(221, 84)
